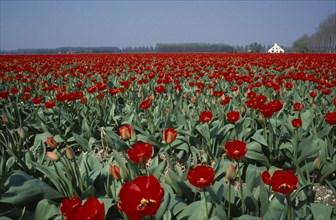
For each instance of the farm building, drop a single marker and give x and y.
(276, 49)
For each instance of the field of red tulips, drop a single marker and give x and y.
(167, 136)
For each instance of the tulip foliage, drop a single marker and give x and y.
(167, 136)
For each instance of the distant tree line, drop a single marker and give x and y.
(193, 47)
(322, 41)
(160, 47)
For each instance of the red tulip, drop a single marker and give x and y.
(277, 105)
(101, 86)
(297, 106)
(26, 96)
(140, 198)
(145, 104)
(37, 100)
(160, 89)
(62, 96)
(140, 152)
(92, 210)
(251, 95)
(205, 116)
(14, 90)
(169, 135)
(267, 110)
(218, 93)
(126, 132)
(330, 118)
(201, 176)
(91, 89)
(113, 91)
(313, 94)
(50, 104)
(235, 149)
(68, 207)
(100, 96)
(4, 94)
(83, 100)
(251, 103)
(334, 101)
(297, 122)
(233, 116)
(225, 101)
(284, 182)
(261, 99)
(72, 209)
(266, 177)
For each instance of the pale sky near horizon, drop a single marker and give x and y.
(58, 23)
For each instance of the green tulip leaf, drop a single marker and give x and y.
(22, 189)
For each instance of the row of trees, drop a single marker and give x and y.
(160, 47)
(322, 41)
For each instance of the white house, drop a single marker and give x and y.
(276, 49)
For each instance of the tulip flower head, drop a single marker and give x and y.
(140, 152)
(284, 182)
(235, 149)
(330, 118)
(201, 176)
(141, 197)
(233, 117)
(72, 209)
(205, 116)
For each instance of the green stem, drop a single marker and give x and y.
(206, 206)
(78, 175)
(229, 209)
(289, 208)
(241, 187)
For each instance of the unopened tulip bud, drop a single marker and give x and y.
(50, 141)
(169, 135)
(213, 101)
(69, 153)
(193, 99)
(52, 156)
(126, 132)
(115, 171)
(317, 163)
(242, 109)
(4, 119)
(21, 132)
(230, 172)
(260, 117)
(211, 92)
(236, 93)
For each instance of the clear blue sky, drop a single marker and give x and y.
(50, 23)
